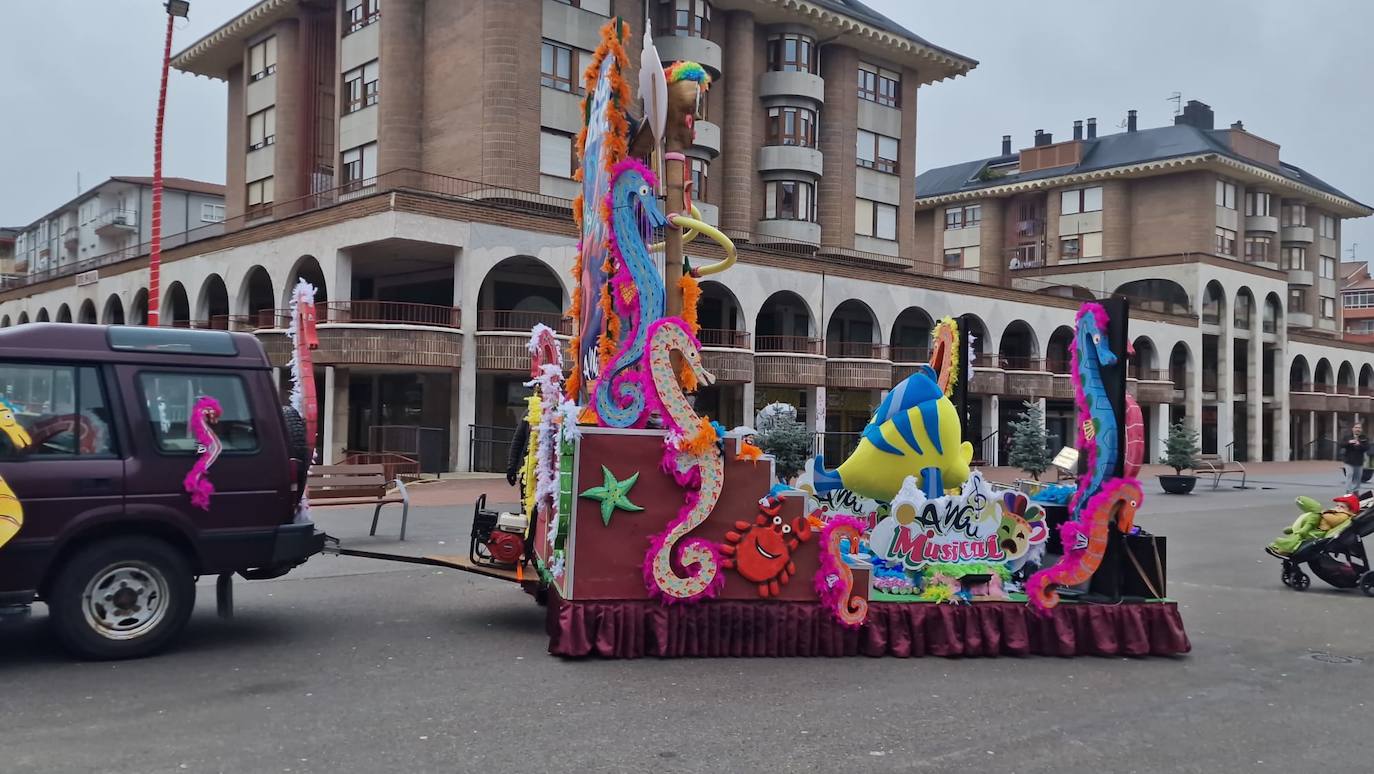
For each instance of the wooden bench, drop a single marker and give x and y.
(357, 485)
(1213, 465)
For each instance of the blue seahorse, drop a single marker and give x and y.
(636, 289)
(1091, 351)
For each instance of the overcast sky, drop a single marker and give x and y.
(82, 93)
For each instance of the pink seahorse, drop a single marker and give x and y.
(206, 412)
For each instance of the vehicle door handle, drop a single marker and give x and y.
(94, 484)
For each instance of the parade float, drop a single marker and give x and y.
(654, 531)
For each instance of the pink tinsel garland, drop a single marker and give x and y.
(206, 412)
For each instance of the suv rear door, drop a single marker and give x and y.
(251, 476)
(71, 475)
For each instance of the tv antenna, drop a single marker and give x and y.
(1177, 99)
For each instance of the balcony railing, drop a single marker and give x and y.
(911, 354)
(365, 311)
(801, 345)
(1019, 362)
(514, 320)
(1025, 257)
(1057, 365)
(856, 349)
(116, 219)
(723, 337)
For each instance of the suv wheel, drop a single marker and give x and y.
(122, 598)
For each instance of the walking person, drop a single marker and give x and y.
(1354, 447)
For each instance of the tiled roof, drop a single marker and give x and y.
(179, 184)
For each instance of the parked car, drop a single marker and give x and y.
(110, 540)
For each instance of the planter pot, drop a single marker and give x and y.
(1177, 484)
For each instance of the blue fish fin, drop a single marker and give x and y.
(903, 424)
(823, 480)
(933, 482)
(874, 435)
(930, 414)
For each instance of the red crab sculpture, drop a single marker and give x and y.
(762, 552)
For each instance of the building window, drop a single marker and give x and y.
(1069, 249)
(1297, 301)
(880, 85)
(1080, 200)
(1226, 241)
(791, 126)
(557, 154)
(360, 13)
(211, 213)
(875, 219)
(262, 59)
(359, 167)
(700, 174)
(1295, 258)
(877, 151)
(954, 259)
(687, 18)
(1328, 268)
(360, 87)
(969, 216)
(170, 396)
(792, 54)
(1358, 299)
(789, 200)
(1294, 213)
(1328, 308)
(1257, 204)
(558, 67)
(1257, 249)
(1328, 227)
(1226, 194)
(259, 198)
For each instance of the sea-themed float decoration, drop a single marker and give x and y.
(11, 510)
(761, 551)
(204, 415)
(305, 339)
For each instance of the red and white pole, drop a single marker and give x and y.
(155, 249)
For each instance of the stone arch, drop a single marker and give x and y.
(5, 321)
(519, 292)
(1180, 363)
(721, 317)
(911, 335)
(42, 315)
(257, 296)
(975, 328)
(1273, 313)
(1077, 292)
(1299, 375)
(1366, 381)
(1214, 304)
(1243, 310)
(784, 323)
(1345, 377)
(113, 313)
(64, 314)
(176, 307)
(86, 314)
(212, 303)
(138, 308)
(1323, 375)
(1057, 350)
(853, 330)
(1157, 295)
(1018, 349)
(307, 268)
(1145, 360)
(23, 318)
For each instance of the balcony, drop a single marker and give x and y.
(116, 222)
(858, 365)
(787, 231)
(707, 137)
(906, 360)
(369, 332)
(1299, 277)
(503, 337)
(726, 354)
(1297, 234)
(672, 48)
(1300, 319)
(1267, 224)
(71, 237)
(797, 361)
(522, 322)
(791, 158)
(1025, 256)
(792, 84)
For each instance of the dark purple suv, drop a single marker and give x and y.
(109, 538)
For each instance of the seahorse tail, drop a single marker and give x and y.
(1041, 592)
(835, 581)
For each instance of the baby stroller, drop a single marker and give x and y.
(1341, 561)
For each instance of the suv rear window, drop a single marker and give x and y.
(137, 338)
(62, 408)
(170, 397)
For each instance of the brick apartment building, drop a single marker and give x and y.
(413, 160)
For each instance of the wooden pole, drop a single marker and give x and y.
(674, 172)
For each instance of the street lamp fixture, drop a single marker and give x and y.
(179, 8)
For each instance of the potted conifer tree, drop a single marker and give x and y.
(1028, 441)
(1180, 453)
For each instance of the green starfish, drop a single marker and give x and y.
(613, 494)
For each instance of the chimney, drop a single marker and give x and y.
(1198, 114)
(1238, 125)
(1130, 120)
(1078, 130)
(1092, 128)
(1043, 137)
(1006, 145)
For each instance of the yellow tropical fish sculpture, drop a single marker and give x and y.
(915, 432)
(11, 512)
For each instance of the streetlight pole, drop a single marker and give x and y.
(174, 8)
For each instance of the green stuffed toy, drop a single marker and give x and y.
(1314, 523)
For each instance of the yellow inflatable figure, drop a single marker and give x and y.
(915, 432)
(11, 512)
